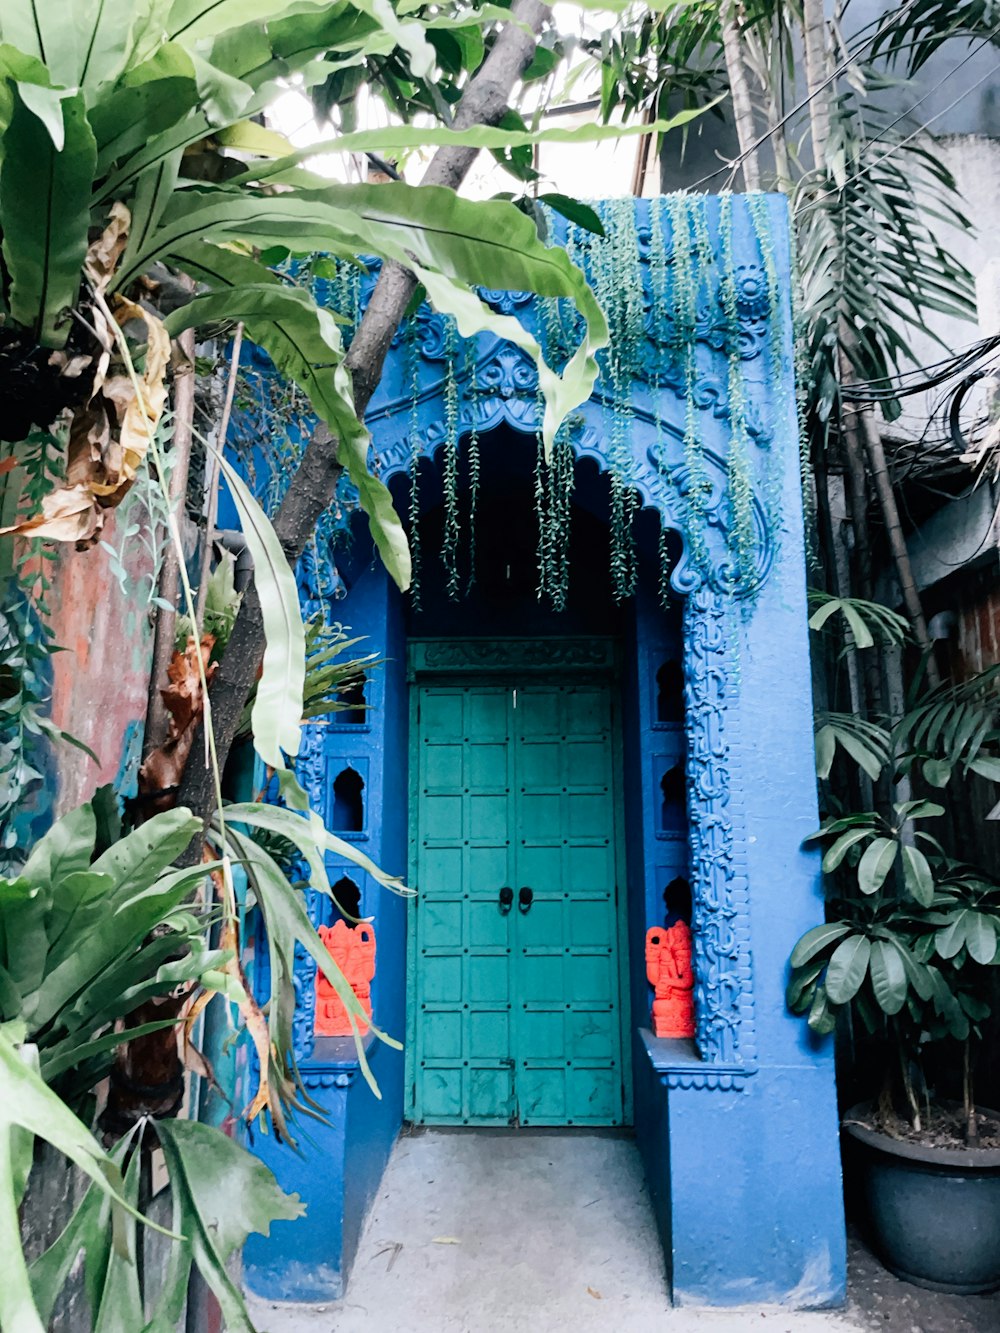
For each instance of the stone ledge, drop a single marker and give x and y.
(677, 1064)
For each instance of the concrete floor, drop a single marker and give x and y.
(516, 1232)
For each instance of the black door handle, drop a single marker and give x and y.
(506, 900)
(524, 899)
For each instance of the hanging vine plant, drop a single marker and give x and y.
(677, 291)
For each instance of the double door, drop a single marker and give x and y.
(516, 991)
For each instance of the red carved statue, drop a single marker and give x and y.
(353, 950)
(668, 967)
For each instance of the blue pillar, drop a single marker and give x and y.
(341, 1159)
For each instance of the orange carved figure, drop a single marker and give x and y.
(668, 967)
(353, 950)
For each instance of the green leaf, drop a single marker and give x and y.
(304, 342)
(847, 968)
(839, 849)
(915, 970)
(46, 104)
(816, 940)
(135, 861)
(826, 749)
(277, 708)
(801, 988)
(920, 809)
(45, 32)
(822, 1017)
(192, 20)
(63, 850)
(402, 138)
(981, 938)
(888, 977)
(917, 874)
(221, 1195)
(951, 938)
(574, 211)
(86, 1232)
(45, 216)
(120, 1306)
(876, 863)
(987, 766)
(937, 772)
(450, 243)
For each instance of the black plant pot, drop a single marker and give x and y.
(935, 1212)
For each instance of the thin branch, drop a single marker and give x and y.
(214, 468)
(157, 718)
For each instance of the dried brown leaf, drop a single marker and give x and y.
(104, 253)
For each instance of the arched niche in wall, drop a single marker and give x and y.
(677, 900)
(347, 897)
(673, 811)
(348, 814)
(670, 692)
(352, 695)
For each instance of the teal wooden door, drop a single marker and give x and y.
(517, 1003)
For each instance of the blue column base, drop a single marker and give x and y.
(310, 1259)
(744, 1175)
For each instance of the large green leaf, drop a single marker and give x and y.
(23, 943)
(192, 20)
(45, 200)
(277, 708)
(304, 342)
(836, 852)
(917, 873)
(818, 939)
(66, 848)
(46, 32)
(888, 977)
(30, 1104)
(847, 968)
(135, 861)
(221, 1194)
(981, 938)
(403, 138)
(153, 98)
(87, 1233)
(876, 863)
(120, 1307)
(312, 841)
(451, 243)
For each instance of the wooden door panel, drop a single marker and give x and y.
(518, 1013)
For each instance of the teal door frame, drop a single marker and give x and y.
(508, 662)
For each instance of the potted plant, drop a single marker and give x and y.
(911, 953)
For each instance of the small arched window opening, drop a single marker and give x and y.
(347, 897)
(670, 692)
(673, 814)
(677, 901)
(352, 696)
(348, 802)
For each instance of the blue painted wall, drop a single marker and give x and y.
(738, 1129)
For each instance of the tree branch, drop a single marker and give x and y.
(312, 488)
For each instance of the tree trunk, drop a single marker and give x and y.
(312, 487)
(897, 542)
(732, 43)
(814, 37)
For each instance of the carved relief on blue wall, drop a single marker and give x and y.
(497, 385)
